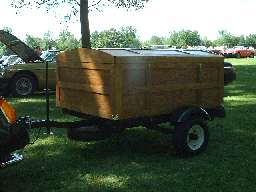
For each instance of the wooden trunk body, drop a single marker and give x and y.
(124, 84)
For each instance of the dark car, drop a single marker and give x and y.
(229, 73)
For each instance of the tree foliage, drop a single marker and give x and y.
(251, 40)
(67, 40)
(156, 40)
(206, 42)
(227, 39)
(184, 38)
(79, 6)
(124, 38)
(74, 4)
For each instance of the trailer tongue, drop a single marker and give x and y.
(13, 134)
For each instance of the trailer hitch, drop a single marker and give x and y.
(13, 134)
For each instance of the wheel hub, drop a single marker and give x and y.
(195, 137)
(23, 86)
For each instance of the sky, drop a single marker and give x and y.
(159, 17)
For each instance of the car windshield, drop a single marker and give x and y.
(10, 60)
(49, 56)
(3, 58)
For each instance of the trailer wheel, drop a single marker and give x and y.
(191, 137)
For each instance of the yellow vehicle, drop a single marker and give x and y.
(27, 75)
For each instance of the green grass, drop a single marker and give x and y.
(142, 160)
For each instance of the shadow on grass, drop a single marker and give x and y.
(245, 82)
(137, 160)
(56, 163)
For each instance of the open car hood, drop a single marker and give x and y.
(27, 54)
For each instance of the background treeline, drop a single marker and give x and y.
(127, 37)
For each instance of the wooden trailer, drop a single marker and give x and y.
(136, 84)
(122, 84)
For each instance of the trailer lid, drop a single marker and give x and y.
(119, 52)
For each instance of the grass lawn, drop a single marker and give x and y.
(141, 160)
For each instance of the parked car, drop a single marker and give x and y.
(9, 60)
(229, 73)
(3, 59)
(215, 51)
(24, 79)
(238, 52)
(28, 77)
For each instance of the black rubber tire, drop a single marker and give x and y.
(27, 88)
(238, 56)
(251, 56)
(181, 134)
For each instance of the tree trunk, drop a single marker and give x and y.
(84, 19)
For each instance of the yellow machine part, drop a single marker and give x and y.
(8, 111)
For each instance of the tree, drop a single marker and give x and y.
(226, 38)
(184, 38)
(67, 41)
(241, 40)
(251, 40)
(206, 42)
(82, 7)
(32, 41)
(155, 40)
(124, 38)
(48, 42)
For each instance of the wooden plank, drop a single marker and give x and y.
(85, 102)
(148, 85)
(134, 105)
(86, 76)
(98, 89)
(83, 55)
(164, 103)
(173, 76)
(96, 66)
(171, 88)
(118, 93)
(132, 79)
(211, 98)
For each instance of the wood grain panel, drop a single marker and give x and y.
(86, 102)
(83, 55)
(97, 83)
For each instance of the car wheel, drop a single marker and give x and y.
(23, 85)
(191, 137)
(238, 56)
(252, 56)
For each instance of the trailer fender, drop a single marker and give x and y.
(191, 113)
